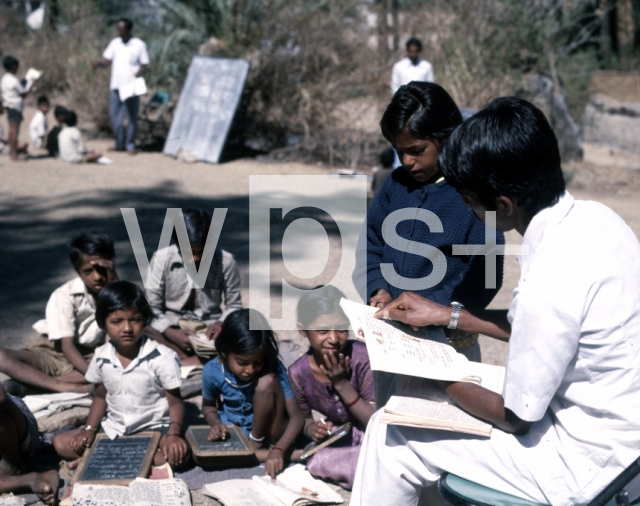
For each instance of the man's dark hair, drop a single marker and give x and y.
(386, 158)
(89, 244)
(424, 109)
(120, 296)
(197, 222)
(128, 24)
(414, 42)
(43, 100)
(70, 118)
(506, 149)
(60, 111)
(9, 62)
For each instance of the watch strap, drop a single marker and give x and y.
(456, 307)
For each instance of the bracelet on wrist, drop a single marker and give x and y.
(256, 439)
(353, 402)
(274, 447)
(306, 429)
(177, 423)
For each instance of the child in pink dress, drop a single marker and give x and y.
(334, 377)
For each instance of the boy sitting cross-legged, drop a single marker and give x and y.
(59, 358)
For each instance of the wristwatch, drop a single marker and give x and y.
(456, 307)
(88, 427)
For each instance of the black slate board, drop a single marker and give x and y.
(207, 105)
(235, 444)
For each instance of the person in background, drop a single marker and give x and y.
(411, 68)
(379, 176)
(128, 59)
(70, 142)
(13, 93)
(52, 137)
(38, 124)
(4, 139)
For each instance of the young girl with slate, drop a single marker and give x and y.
(247, 385)
(334, 377)
(137, 381)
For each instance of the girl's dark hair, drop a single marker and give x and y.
(88, 244)
(319, 301)
(60, 111)
(70, 118)
(247, 331)
(197, 222)
(122, 295)
(424, 109)
(507, 149)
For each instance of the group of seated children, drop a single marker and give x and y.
(64, 140)
(135, 378)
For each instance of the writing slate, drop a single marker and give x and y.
(235, 444)
(206, 107)
(118, 461)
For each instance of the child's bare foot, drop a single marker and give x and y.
(7, 469)
(45, 486)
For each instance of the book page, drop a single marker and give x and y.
(296, 486)
(397, 348)
(240, 493)
(100, 495)
(171, 492)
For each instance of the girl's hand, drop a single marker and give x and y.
(174, 449)
(213, 330)
(84, 439)
(337, 369)
(380, 300)
(274, 463)
(218, 432)
(320, 431)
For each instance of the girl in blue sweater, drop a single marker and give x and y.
(417, 122)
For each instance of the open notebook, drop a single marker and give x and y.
(294, 487)
(140, 492)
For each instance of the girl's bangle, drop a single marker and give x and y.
(353, 402)
(256, 439)
(306, 429)
(177, 423)
(274, 447)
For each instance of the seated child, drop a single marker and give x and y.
(52, 137)
(70, 143)
(18, 445)
(334, 377)
(5, 149)
(247, 385)
(38, 124)
(176, 305)
(137, 381)
(59, 358)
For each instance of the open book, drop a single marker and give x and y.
(294, 487)
(133, 88)
(140, 492)
(397, 348)
(419, 402)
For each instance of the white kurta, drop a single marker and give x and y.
(572, 368)
(405, 71)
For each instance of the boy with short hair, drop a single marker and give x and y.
(13, 94)
(70, 143)
(18, 445)
(38, 124)
(52, 137)
(59, 358)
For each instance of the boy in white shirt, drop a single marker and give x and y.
(13, 98)
(38, 124)
(70, 143)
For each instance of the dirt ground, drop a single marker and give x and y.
(45, 202)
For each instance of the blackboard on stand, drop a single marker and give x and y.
(206, 107)
(231, 452)
(117, 461)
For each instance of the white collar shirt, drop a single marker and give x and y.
(405, 71)
(126, 59)
(136, 398)
(12, 91)
(38, 128)
(71, 312)
(572, 364)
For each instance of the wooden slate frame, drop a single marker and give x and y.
(198, 453)
(145, 467)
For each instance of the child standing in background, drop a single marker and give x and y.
(13, 94)
(38, 124)
(247, 385)
(137, 381)
(334, 377)
(4, 139)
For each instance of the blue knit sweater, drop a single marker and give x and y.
(464, 280)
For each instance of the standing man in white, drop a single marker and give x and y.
(128, 59)
(411, 68)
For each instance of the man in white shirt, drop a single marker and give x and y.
(411, 68)
(128, 59)
(38, 124)
(566, 423)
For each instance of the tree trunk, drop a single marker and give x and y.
(605, 33)
(625, 32)
(383, 30)
(396, 25)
